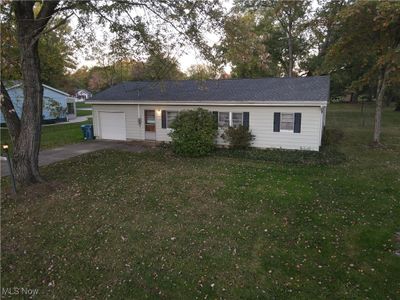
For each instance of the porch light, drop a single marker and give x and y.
(158, 111)
(5, 147)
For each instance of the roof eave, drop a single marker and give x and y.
(210, 103)
(44, 85)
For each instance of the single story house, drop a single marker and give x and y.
(57, 105)
(83, 95)
(286, 113)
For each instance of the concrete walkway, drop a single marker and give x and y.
(50, 156)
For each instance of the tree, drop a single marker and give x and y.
(160, 66)
(285, 24)
(325, 32)
(327, 29)
(77, 80)
(35, 18)
(291, 17)
(107, 73)
(56, 57)
(244, 46)
(370, 33)
(267, 37)
(201, 72)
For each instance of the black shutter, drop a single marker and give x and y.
(246, 120)
(215, 114)
(277, 122)
(163, 119)
(297, 122)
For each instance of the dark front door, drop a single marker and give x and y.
(150, 124)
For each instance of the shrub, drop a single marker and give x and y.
(332, 137)
(193, 133)
(238, 138)
(327, 155)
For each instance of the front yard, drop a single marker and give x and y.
(130, 226)
(54, 135)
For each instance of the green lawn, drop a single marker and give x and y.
(80, 112)
(151, 225)
(82, 105)
(54, 135)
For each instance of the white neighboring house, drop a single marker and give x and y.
(83, 95)
(58, 106)
(286, 113)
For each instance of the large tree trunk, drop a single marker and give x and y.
(26, 131)
(26, 150)
(383, 74)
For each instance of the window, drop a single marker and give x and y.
(171, 116)
(226, 119)
(237, 119)
(70, 108)
(287, 122)
(223, 119)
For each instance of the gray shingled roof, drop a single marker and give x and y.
(263, 89)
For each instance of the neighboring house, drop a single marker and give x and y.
(83, 94)
(284, 113)
(57, 105)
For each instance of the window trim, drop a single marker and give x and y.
(280, 123)
(230, 118)
(167, 122)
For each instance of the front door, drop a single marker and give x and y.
(150, 124)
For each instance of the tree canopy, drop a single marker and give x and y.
(55, 50)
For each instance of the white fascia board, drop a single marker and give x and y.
(54, 89)
(44, 85)
(219, 103)
(14, 86)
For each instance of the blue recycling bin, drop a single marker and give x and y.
(87, 131)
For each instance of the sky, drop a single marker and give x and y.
(186, 57)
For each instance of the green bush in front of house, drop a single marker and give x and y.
(193, 133)
(238, 137)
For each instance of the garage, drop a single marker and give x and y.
(112, 125)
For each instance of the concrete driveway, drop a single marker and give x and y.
(50, 156)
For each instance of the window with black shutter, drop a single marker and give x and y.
(297, 122)
(246, 120)
(163, 119)
(277, 122)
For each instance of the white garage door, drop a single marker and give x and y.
(112, 125)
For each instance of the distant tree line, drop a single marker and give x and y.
(356, 42)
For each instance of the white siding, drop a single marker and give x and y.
(261, 124)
